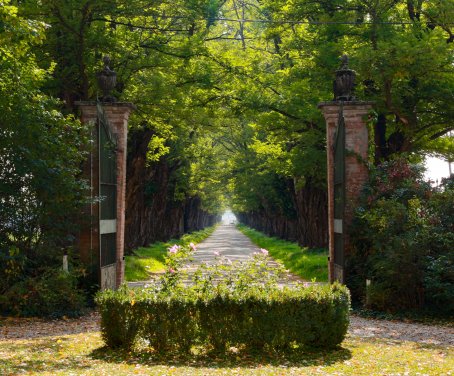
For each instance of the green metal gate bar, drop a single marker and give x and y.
(339, 196)
(108, 189)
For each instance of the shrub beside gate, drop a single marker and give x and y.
(258, 317)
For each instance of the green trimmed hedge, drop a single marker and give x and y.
(271, 317)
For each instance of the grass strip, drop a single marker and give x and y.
(309, 264)
(151, 259)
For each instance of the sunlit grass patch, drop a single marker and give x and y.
(85, 354)
(307, 263)
(151, 259)
(144, 261)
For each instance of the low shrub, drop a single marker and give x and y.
(276, 318)
(120, 318)
(170, 323)
(224, 308)
(52, 294)
(439, 282)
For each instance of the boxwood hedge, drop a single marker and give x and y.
(258, 317)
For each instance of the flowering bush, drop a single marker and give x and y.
(176, 257)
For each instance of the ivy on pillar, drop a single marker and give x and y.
(347, 154)
(101, 240)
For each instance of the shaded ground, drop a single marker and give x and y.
(12, 328)
(372, 347)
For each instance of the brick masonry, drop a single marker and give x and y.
(356, 155)
(117, 115)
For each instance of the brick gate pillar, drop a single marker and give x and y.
(117, 115)
(356, 171)
(347, 155)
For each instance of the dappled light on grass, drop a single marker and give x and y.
(145, 260)
(84, 354)
(309, 264)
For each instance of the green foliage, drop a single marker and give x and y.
(40, 189)
(439, 271)
(255, 317)
(403, 241)
(309, 264)
(232, 105)
(52, 294)
(13, 262)
(439, 282)
(119, 321)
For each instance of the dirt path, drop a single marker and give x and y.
(225, 243)
(228, 241)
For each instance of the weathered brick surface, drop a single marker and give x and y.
(117, 115)
(356, 171)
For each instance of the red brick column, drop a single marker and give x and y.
(117, 115)
(356, 171)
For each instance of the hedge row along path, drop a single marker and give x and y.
(225, 243)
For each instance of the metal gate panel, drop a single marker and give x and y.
(339, 197)
(108, 206)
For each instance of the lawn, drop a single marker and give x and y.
(84, 354)
(307, 263)
(151, 259)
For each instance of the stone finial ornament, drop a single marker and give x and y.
(107, 79)
(344, 84)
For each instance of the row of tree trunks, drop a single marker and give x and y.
(311, 204)
(270, 223)
(195, 218)
(152, 214)
(309, 228)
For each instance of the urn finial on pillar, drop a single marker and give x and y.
(107, 79)
(344, 84)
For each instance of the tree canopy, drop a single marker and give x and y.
(227, 90)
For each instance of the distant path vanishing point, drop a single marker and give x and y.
(230, 243)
